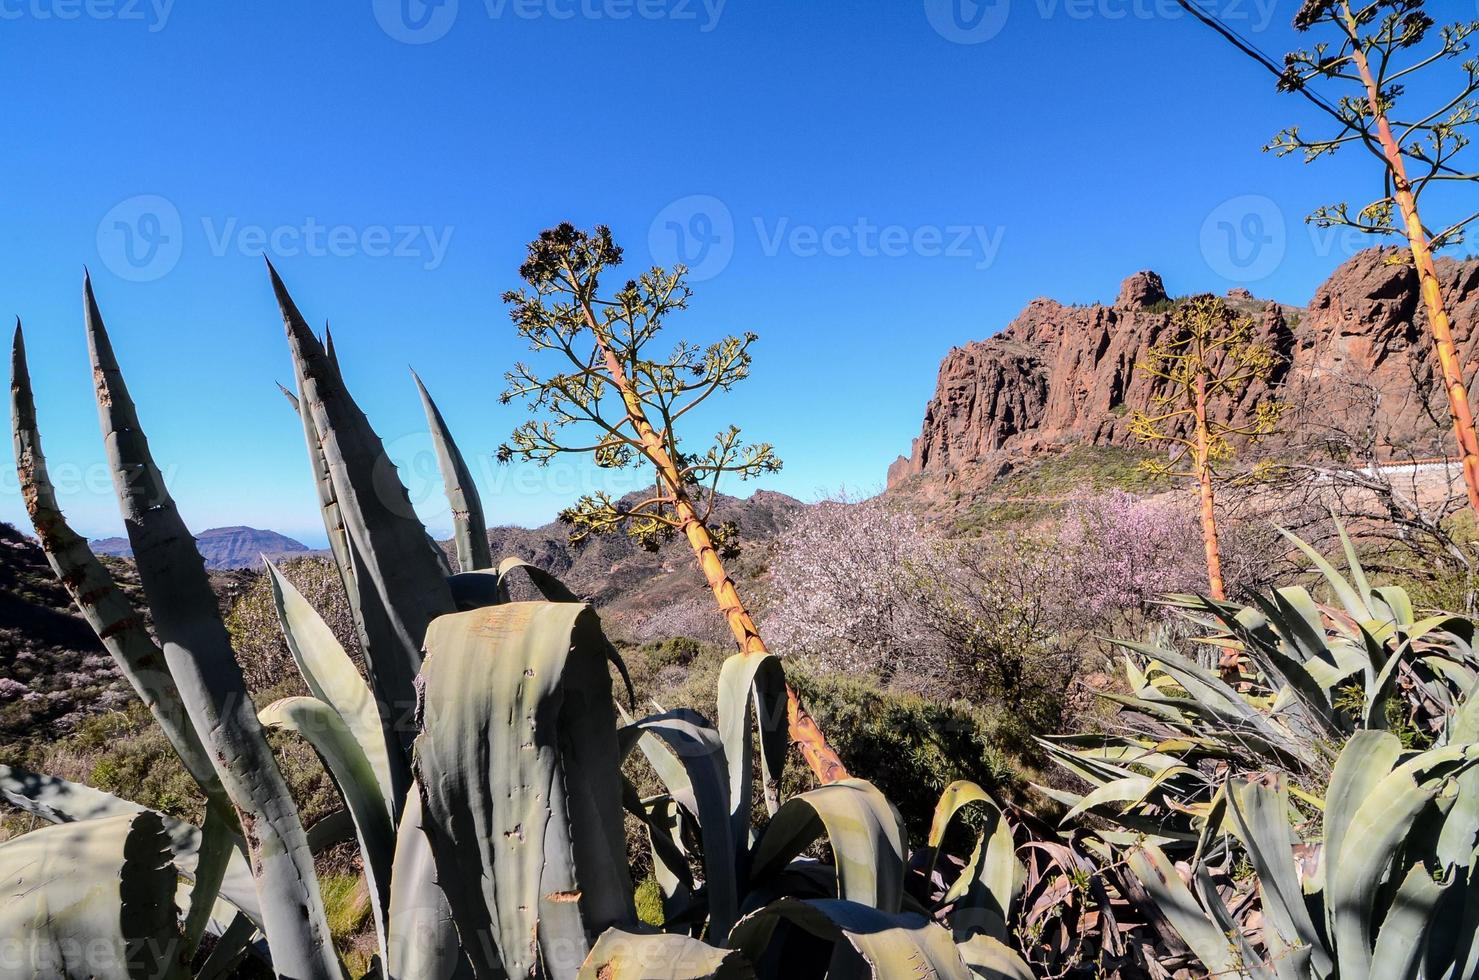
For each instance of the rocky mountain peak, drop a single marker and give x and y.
(1059, 376)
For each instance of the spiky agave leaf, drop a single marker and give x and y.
(518, 765)
(1373, 836)
(123, 634)
(752, 688)
(332, 678)
(470, 529)
(107, 610)
(399, 572)
(91, 899)
(197, 650)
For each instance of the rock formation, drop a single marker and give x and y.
(1057, 376)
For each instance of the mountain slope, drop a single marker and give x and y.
(644, 595)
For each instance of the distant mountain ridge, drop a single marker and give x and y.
(223, 547)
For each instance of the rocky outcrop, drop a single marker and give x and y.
(1141, 291)
(1059, 376)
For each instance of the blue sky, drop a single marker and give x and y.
(864, 184)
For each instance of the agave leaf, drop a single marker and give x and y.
(93, 898)
(60, 801)
(394, 558)
(328, 504)
(1211, 899)
(470, 530)
(983, 893)
(752, 686)
(865, 831)
(198, 652)
(1397, 602)
(421, 939)
(899, 944)
(1370, 842)
(689, 760)
(107, 610)
(1402, 940)
(664, 822)
(991, 959)
(1202, 937)
(1380, 691)
(1349, 597)
(218, 846)
(1300, 622)
(1130, 790)
(1260, 818)
(1463, 723)
(620, 955)
(1366, 759)
(229, 951)
(354, 776)
(1285, 669)
(1353, 563)
(957, 796)
(548, 585)
(333, 679)
(518, 765)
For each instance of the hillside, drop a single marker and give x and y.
(53, 669)
(223, 548)
(645, 595)
(1060, 376)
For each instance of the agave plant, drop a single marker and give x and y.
(479, 759)
(1377, 882)
(1314, 675)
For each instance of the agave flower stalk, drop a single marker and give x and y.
(653, 393)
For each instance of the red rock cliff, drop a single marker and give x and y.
(1065, 375)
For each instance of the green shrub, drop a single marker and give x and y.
(908, 746)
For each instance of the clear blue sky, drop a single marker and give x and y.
(166, 146)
